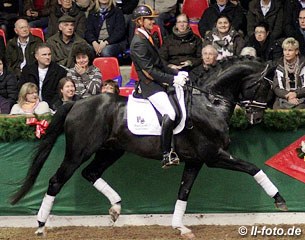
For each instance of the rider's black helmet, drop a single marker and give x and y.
(143, 11)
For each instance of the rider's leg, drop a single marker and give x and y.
(162, 104)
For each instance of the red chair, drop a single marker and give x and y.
(195, 29)
(2, 34)
(156, 29)
(38, 32)
(126, 91)
(194, 8)
(133, 76)
(109, 67)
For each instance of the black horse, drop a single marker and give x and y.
(97, 126)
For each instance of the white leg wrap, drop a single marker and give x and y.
(263, 180)
(45, 208)
(105, 189)
(180, 208)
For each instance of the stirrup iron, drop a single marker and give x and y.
(170, 159)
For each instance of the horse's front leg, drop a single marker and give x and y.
(190, 173)
(224, 160)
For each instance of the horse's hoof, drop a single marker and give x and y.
(40, 232)
(189, 235)
(281, 206)
(115, 212)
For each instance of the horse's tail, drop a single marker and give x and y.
(43, 150)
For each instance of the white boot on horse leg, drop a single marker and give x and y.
(263, 180)
(44, 213)
(179, 211)
(114, 198)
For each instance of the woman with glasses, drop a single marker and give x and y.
(28, 101)
(224, 38)
(182, 49)
(289, 79)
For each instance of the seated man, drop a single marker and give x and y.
(20, 49)
(44, 73)
(64, 41)
(66, 7)
(299, 33)
(209, 57)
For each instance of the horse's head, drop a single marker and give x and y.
(254, 95)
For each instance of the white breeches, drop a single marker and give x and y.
(161, 102)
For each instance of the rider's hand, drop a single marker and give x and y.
(180, 80)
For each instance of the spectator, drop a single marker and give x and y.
(2, 48)
(209, 59)
(263, 44)
(66, 93)
(20, 49)
(166, 11)
(224, 38)
(289, 79)
(270, 11)
(64, 41)
(248, 51)
(291, 17)
(106, 29)
(37, 12)
(28, 101)
(182, 49)
(110, 86)
(8, 88)
(224, 7)
(44, 73)
(86, 76)
(299, 32)
(66, 7)
(9, 13)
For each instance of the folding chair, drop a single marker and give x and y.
(109, 67)
(133, 77)
(2, 34)
(156, 29)
(194, 8)
(126, 91)
(38, 32)
(195, 29)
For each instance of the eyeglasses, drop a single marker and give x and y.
(182, 21)
(260, 32)
(301, 18)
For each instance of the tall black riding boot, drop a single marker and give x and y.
(169, 157)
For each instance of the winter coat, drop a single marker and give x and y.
(45, 12)
(274, 18)
(56, 13)
(177, 49)
(8, 87)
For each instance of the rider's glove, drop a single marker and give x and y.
(180, 80)
(183, 73)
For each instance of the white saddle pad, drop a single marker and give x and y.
(142, 118)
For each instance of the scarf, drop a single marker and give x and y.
(291, 74)
(181, 34)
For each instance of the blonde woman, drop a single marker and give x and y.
(106, 29)
(289, 80)
(28, 101)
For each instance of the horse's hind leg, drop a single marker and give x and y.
(93, 172)
(63, 174)
(227, 161)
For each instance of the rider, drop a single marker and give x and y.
(154, 77)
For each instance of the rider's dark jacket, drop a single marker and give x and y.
(154, 76)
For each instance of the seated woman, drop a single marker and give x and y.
(8, 88)
(289, 79)
(182, 49)
(224, 38)
(106, 29)
(110, 86)
(67, 93)
(87, 78)
(28, 101)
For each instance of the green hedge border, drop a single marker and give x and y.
(13, 128)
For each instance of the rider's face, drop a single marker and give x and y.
(148, 23)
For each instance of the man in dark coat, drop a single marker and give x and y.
(291, 16)
(154, 77)
(44, 73)
(210, 15)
